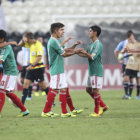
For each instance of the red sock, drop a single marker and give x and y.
(102, 104)
(97, 103)
(50, 99)
(16, 101)
(69, 100)
(2, 100)
(63, 101)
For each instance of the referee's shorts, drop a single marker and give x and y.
(35, 74)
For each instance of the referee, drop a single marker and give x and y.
(36, 69)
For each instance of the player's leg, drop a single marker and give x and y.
(18, 103)
(29, 78)
(138, 88)
(53, 91)
(69, 100)
(8, 85)
(26, 85)
(44, 87)
(50, 100)
(126, 86)
(29, 93)
(131, 86)
(2, 99)
(96, 83)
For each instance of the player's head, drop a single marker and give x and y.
(130, 36)
(94, 31)
(2, 36)
(28, 37)
(57, 29)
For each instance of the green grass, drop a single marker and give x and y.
(121, 122)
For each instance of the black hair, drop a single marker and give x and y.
(56, 26)
(97, 29)
(129, 33)
(29, 35)
(2, 34)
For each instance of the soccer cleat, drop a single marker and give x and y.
(125, 97)
(77, 111)
(129, 97)
(29, 98)
(49, 114)
(103, 109)
(67, 115)
(36, 93)
(43, 93)
(94, 115)
(137, 97)
(25, 113)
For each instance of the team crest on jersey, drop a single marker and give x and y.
(33, 53)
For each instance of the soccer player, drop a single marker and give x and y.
(95, 70)
(35, 71)
(58, 80)
(133, 65)
(128, 86)
(8, 81)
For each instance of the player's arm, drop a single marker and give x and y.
(21, 43)
(4, 44)
(76, 44)
(83, 53)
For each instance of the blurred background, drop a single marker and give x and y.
(115, 17)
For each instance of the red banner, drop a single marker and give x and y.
(77, 76)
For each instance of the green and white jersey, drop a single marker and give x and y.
(9, 63)
(55, 57)
(95, 66)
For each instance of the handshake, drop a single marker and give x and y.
(80, 51)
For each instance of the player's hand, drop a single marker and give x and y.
(29, 68)
(13, 43)
(78, 50)
(68, 38)
(83, 51)
(78, 42)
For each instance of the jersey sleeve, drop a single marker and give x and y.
(120, 46)
(4, 53)
(96, 51)
(39, 49)
(57, 46)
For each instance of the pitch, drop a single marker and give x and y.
(121, 122)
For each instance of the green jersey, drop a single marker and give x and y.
(9, 63)
(95, 66)
(55, 52)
